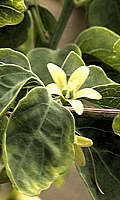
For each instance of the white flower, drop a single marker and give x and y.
(69, 91)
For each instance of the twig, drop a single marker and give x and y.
(98, 112)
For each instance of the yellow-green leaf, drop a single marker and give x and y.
(58, 75)
(89, 93)
(116, 125)
(78, 77)
(83, 141)
(116, 46)
(53, 89)
(77, 106)
(79, 156)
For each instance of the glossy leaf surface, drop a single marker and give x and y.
(38, 143)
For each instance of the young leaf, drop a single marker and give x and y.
(38, 142)
(40, 57)
(58, 75)
(101, 172)
(89, 93)
(77, 106)
(79, 156)
(78, 77)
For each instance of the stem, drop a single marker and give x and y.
(98, 112)
(63, 19)
(94, 171)
(38, 23)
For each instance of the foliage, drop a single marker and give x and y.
(101, 173)
(103, 13)
(40, 133)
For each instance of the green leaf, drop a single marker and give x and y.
(15, 4)
(116, 46)
(110, 96)
(11, 12)
(99, 14)
(106, 158)
(40, 57)
(12, 78)
(116, 125)
(96, 38)
(38, 143)
(10, 56)
(13, 36)
(72, 62)
(3, 125)
(99, 42)
(93, 79)
(23, 91)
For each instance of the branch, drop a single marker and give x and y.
(98, 112)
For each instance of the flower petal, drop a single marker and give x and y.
(83, 141)
(89, 93)
(78, 77)
(53, 89)
(76, 105)
(79, 155)
(58, 75)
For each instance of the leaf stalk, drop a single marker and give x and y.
(39, 24)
